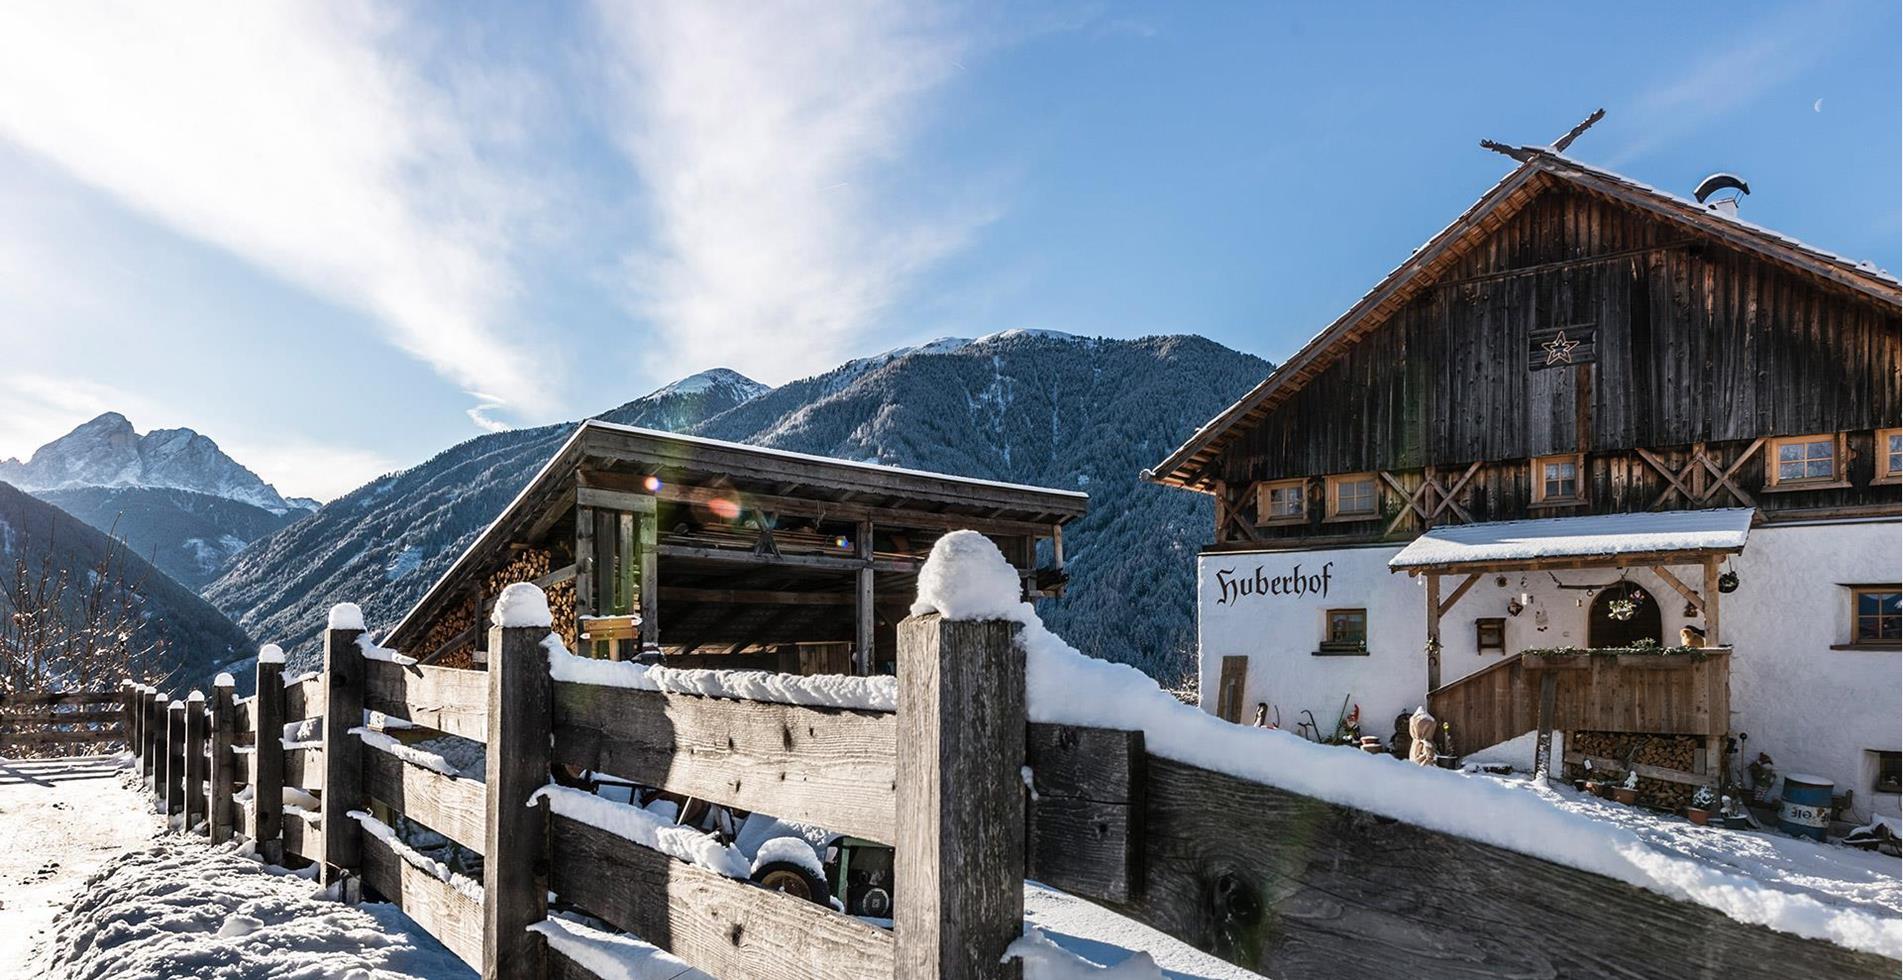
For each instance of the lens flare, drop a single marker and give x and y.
(842, 542)
(653, 483)
(723, 508)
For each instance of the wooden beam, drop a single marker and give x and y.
(584, 562)
(1636, 559)
(864, 608)
(342, 705)
(761, 597)
(174, 760)
(621, 500)
(1086, 824)
(1713, 637)
(820, 766)
(1433, 632)
(822, 562)
(959, 860)
(1459, 591)
(450, 806)
(1666, 575)
(223, 763)
(453, 918)
(451, 701)
(515, 834)
(647, 541)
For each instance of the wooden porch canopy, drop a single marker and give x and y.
(1654, 540)
(690, 545)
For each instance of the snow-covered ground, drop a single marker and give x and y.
(60, 820)
(1110, 940)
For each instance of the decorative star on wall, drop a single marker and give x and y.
(1559, 350)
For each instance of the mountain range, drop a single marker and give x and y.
(173, 496)
(1022, 406)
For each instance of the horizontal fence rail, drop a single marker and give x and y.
(971, 797)
(69, 722)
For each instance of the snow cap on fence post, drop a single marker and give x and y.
(345, 616)
(966, 577)
(522, 604)
(162, 696)
(270, 653)
(196, 695)
(224, 680)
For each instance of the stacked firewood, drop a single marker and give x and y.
(526, 565)
(561, 605)
(1612, 750)
(449, 625)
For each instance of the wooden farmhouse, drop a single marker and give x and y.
(709, 553)
(1586, 415)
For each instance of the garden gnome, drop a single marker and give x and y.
(1421, 726)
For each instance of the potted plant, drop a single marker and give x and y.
(1628, 792)
(1703, 802)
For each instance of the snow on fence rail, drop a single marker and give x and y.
(1282, 883)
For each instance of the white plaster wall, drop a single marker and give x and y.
(1812, 708)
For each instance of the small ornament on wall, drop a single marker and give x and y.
(1558, 347)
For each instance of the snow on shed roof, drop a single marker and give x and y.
(1564, 538)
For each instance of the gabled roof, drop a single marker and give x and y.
(1540, 168)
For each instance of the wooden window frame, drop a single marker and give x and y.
(1857, 641)
(1539, 464)
(1331, 647)
(1262, 491)
(1335, 513)
(1885, 474)
(1835, 481)
(1877, 785)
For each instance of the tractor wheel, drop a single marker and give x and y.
(788, 878)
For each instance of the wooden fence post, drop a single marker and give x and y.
(174, 759)
(153, 705)
(195, 761)
(343, 752)
(222, 761)
(129, 715)
(265, 823)
(515, 835)
(959, 863)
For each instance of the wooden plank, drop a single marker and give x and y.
(959, 861)
(1655, 772)
(834, 563)
(342, 705)
(304, 699)
(264, 822)
(152, 707)
(649, 557)
(1289, 886)
(724, 927)
(18, 739)
(864, 605)
(1230, 687)
(48, 716)
(450, 806)
(47, 698)
(174, 759)
(638, 503)
(763, 597)
(515, 834)
(304, 768)
(453, 918)
(223, 763)
(301, 839)
(197, 763)
(1086, 809)
(829, 767)
(448, 700)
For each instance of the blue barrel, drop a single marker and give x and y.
(1806, 807)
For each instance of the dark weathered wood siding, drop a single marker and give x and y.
(1695, 342)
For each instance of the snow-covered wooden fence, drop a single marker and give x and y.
(949, 772)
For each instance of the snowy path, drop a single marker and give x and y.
(60, 820)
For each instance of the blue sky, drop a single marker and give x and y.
(340, 238)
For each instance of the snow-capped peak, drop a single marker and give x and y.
(712, 379)
(108, 452)
(1016, 333)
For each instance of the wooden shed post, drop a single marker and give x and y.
(863, 661)
(515, 835)
(265, 822)
(343, 754)
(959, 861)
(1433, 632)
(174, 759)
(648, 546)
(195, 768)
(148, 733)
(222, 761)
(1712, 636)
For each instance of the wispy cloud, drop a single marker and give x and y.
(304, 468)
(293, 137)
(1740, 69)
(771, 140)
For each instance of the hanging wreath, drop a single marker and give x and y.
(1728, 582)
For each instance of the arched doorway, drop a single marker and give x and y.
(1602, 630)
